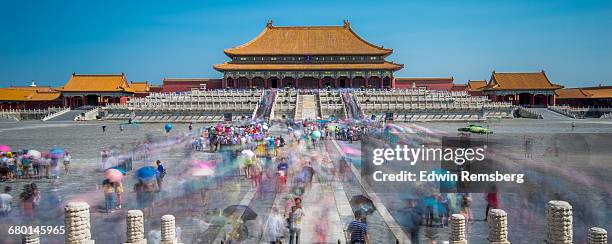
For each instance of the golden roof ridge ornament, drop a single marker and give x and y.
(347, 24)
(269, 24)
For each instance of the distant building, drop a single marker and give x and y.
(585, 96)
(29, 97)
(95, 89)
(438, 83)
(141, 89)
(474, 87)
(308, 57)
(526, 89)
(188, 84)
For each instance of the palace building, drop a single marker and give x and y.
(526, 89)
(96, 89)
(308, 57)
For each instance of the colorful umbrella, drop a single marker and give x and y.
(122, 170)
(168, 127)
(248, 153)
(316, 134)
(113, 175)
(146, 173)
(202, 169)
(5, 148)
(57, 152)
(34, 154)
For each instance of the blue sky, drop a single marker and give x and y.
(148, 40)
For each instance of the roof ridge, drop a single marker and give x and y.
(75, 74)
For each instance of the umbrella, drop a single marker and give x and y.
(316, 134)
(34, 154)
(122, 170)
(57, 152)
(245, 212)
(146, 173)
(202, 169)
(168, 127)
(363, 203)
(248, 153)
(113, 175)
(5, 148)
(297, 190)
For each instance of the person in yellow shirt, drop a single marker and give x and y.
(109, 195)
(119, 192)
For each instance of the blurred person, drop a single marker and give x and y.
(67, 159)
(109, 195)
(119, 192)
(358, 230)
(274, 227)
(6, 201)
(492, 199)
(295, 221)
(161, 173)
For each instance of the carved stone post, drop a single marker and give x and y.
(457, 229)
(559, 222)
(135, 227)
(597, 236)
(168, 230)
(498, 227)
(32, 238)
(76, 221)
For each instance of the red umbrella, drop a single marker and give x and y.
(113, 175)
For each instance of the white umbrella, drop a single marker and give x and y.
(34, 154)
(248, 153)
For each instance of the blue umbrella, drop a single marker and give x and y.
(57, 152)
(168, 127)
(146, 173)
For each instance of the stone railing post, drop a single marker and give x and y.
(76, 221)
(597, 236)
(457, 229)
(135, 227)
(498, 227)
(559, 222)
(32, 238)
(168, 230)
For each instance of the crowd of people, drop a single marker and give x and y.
(31, 164)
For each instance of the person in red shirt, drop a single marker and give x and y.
(492, 201)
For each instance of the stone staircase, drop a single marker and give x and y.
(306, 107)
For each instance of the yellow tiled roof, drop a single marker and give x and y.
(585, 92)
(359, 66)
(140, 86)
(570, 93)
(520, 81)
(308, 40)
(476, 85)
(97, 83)
(27, 94)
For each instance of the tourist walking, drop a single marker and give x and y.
(103, 128)
(492, 201)
(109, 195)
(119, 193)
(358, 230)
(161, 173)
(6, 201)
(67, 159)
(295, 221)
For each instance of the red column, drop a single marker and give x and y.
(224, 83)
(531, 99)
(320, 84)
(336, 83)
(250, 82)
(266, 83)
(351, 82)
